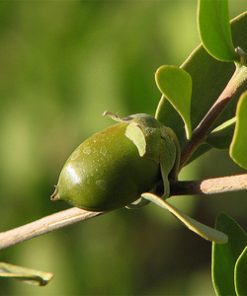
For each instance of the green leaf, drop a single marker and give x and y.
(168, 155)
(202, 230)
(209, 78)
(26, 275)
(224, 256)
(176, 84)
(240, 274)
(238, 148)
(215, 30)
(221, 136)
(136, 135)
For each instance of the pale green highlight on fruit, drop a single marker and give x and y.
(215, 31)
(176, 85)
(238, 148)
(240, 273)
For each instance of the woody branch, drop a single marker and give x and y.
(73, 215)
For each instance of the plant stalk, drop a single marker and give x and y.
(44, 225)
(73, 215)
(200, 133)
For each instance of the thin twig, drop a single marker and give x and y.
(203, 128)
(74, 215)
(210, 186)
(44, 225)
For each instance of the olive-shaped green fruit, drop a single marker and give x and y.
(121, 166)
(112, 168)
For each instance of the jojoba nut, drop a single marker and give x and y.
(106, 171)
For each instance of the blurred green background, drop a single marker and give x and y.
(62, 64)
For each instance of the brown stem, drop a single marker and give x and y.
(201, 131)
(74, 215)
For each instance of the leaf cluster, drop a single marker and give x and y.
(205, 102)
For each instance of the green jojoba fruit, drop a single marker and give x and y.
(112, 168)
(121, 166)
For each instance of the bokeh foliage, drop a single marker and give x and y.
(62, 64)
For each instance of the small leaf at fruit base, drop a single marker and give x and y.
(176, 84)
(221, 136)
(26, 275)
(167, 162)
(238, 148)
(135, 134)
(202, 230)
(224, 256)
(240, 273)
(215, 30)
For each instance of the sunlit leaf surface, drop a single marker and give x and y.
(238, 149)
(224, 256)
(215, 30)
(176, 85)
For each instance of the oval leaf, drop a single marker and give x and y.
(238, 148)
(209, 78)
(221, 136)
(224, 256)
(215, 30)
(202, 230)
(240, 274)
(176, 84)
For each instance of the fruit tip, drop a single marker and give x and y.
(55, 195)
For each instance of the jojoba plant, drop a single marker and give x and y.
(138, 159)
(138, 150)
